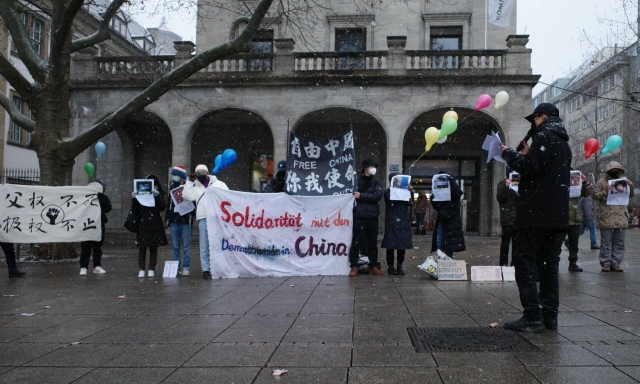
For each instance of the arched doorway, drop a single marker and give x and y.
(460, 156)
(369, 137)
(243, 131)
(141, 147)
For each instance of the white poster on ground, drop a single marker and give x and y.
(35, 214)
(265, 234)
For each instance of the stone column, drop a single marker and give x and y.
(397, 60)
(518, 58)
(283, 62)
(184, 49)
(83, 65)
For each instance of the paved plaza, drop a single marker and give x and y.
(320, 329)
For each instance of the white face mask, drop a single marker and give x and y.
(372, 172)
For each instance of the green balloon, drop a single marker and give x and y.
(448, 127)
(90, 169)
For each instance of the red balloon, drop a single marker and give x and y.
(591, 146)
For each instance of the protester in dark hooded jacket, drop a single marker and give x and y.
(95, 247)
(151, 233)
(448, 236)
(276, 184)
(365, 220)
(397, 229)
(542, 211)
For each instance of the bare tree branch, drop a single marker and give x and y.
(64, 25)
(235, 25)
(35, 64)
(102, 33)
(14, 77)
(71, 147)
(16, 115)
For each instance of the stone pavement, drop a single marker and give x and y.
(321, 329)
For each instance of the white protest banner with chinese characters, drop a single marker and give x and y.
(265, 234)
(321, 167)
(35, 214)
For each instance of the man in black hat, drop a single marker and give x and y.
(542, 211)
(276, 184)
(365, 220)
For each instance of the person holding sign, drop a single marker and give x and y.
(613, 218)
(448, 236)
(87, 247)
(365, 220)
(397, 227)
(150, 229)
(179, 221)
(542, 211)
(194, 191)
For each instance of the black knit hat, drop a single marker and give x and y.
(369, 162)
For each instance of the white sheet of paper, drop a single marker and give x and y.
(617, 196)
(146, 200)
(575, 183)
(441, 189)
(170, 268)
(492, 146)
(486, 273)
(508, 273)
(184, 208)
(514, 186)
(399, 188)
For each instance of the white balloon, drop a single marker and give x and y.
(441, 141)
(502, 98)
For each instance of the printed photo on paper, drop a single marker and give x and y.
(440, 187)
(143, 186)
(176, 195)
(575, 183)
(400, 188)
(619, 192)
(515, 181)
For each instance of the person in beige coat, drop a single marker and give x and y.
(613, 220)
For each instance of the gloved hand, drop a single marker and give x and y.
(133, 194)
(155, 192)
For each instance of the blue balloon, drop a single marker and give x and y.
(217, 161)
(215, 170)
(100, 148)
(229, 156)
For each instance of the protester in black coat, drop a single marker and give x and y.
(449, 222)
(150, 229)
(397, 229)
(542, 211)
(276, 184)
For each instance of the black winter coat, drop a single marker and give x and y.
(544, 178)
(367, 206)
(105, 207)
(275, 185)
(508, 199)
(173, 217)
(449, 216)
(150, 229)
(397, 223)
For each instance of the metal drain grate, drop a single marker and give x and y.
(468, 339)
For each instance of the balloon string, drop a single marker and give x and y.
(470, 121)
(414, 163)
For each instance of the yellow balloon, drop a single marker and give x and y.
(431, 136)
(450, 115)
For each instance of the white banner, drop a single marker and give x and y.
(265, 234)
(35, 214)
(500, 12)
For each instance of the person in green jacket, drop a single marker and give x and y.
(573, 235)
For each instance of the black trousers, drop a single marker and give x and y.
(86, 247)
(507, 233)
(574, 236)
(365, 240)
(10, 255)
(153, 257)
(534, 250)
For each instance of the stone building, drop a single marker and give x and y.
(389, 73)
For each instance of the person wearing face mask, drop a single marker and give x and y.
(276, 184)
(194, 191)
(365, 220)
(179, 224)
(542, 211)
(613, 220)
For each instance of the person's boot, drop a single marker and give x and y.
(353, 272)
(400, 270)
(551, 321)
(525, 325)
(573, 266)
(376, 271)
(16, 273)
(390, 269)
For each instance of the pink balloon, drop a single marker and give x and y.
(483, 102)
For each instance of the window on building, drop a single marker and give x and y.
(543, 96)
(261, 45)
(354, 42)
(35, 32)
(446, 38)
